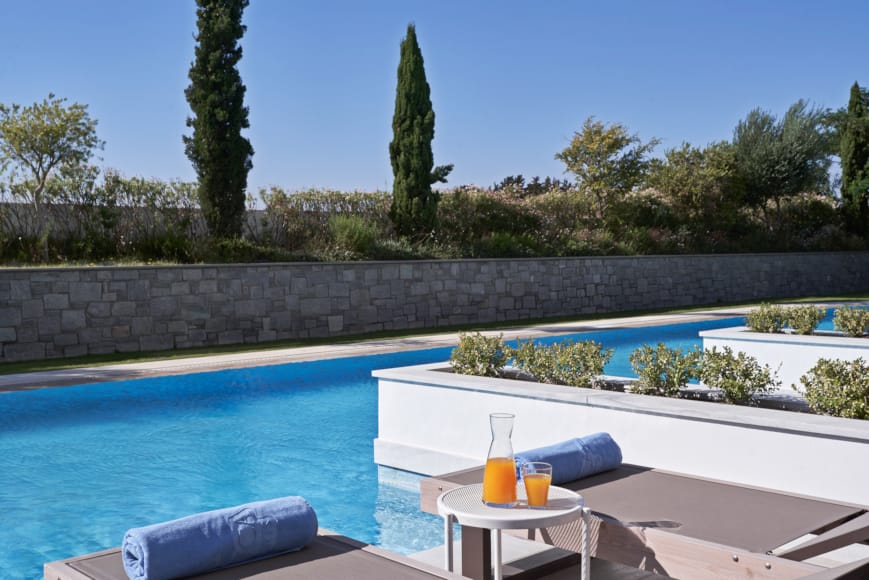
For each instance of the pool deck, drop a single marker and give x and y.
(102, 373)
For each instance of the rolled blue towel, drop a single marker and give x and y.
(218, 539)
(576, 458)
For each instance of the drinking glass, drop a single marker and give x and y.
(537, 476)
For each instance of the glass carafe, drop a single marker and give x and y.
(499, 478)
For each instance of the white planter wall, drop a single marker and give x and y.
(791, 354)
(433, 422)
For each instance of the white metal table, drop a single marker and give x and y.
(465, 506)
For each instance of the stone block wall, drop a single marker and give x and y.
(63, 312)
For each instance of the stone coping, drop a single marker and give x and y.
(818, 338)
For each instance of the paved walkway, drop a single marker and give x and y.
(267, 356)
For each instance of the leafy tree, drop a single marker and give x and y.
(854, 154)
(699, 184)
(414, 204)
(776, 158)
(219, 153)
(519, 187)
(42, 142)
(606, 160)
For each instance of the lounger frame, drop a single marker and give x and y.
(743, 547)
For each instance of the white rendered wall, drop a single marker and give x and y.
(433, 422)
(792, 355)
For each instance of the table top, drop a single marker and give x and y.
(466, 505)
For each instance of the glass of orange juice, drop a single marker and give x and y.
(537, 477)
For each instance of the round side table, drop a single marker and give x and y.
(465, 506)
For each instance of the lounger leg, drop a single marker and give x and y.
(585, 571)
(476, 553)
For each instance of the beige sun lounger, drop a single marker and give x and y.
(329, 556)
(687, 527)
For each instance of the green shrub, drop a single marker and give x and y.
(237, 250)
(739, 377)
(533, 359)
(353, 235)
(804, 319)
(505, 245)
(479, 355)
(300, 220)
(662, 370)
(482, 223)
(766, 318)
(852, 321)
(577, 364)
(839, 388)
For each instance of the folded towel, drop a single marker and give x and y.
(218, 539)
(576, 458)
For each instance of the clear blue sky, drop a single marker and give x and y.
(511, 80)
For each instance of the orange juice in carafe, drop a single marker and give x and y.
(499, 481)
(499, 478)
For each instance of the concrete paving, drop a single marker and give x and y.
(94, 374)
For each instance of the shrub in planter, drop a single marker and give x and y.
(804, 319)
(577, 364)
(479, 355)
(839, 388)
(766, 318)
(851, 321)
(739, 377)
(532, 359)
(662, 370)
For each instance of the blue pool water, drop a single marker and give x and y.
(79, 465)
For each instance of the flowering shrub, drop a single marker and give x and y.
(739, 377)
(662, 370)
(839, 388)
(852, 321)
(804, 319)
(766, 318)
(479, 355)
(577, 364)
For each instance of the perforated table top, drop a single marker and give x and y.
(466, 505)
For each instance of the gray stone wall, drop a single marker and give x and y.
(63, 312)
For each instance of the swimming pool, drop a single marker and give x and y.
(79, 465)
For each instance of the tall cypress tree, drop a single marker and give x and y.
(414, 204)
(854, 154)
(219, 153)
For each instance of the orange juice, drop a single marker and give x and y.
(537, 488)
(499, 481)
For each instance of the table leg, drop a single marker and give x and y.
(498, 573)
(448, 542)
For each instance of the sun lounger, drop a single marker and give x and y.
(687, 527)
(329, 556)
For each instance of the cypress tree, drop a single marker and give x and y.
(854, 154)
(217, 150)
(414, 204)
